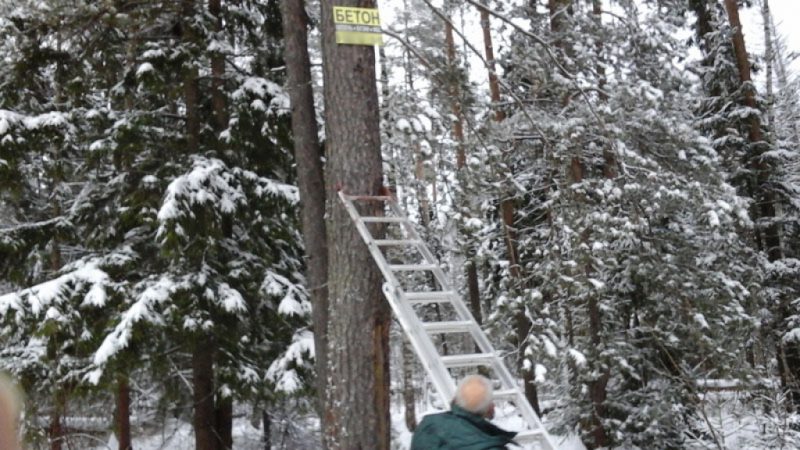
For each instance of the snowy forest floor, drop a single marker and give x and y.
(735, 428)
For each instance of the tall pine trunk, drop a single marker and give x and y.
(57, 433)
(218, 100)
(124, 413)
(356, 412)
(310, 179)
(223, 407)
(203, 395)
(223, 422)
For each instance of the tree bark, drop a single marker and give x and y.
(600, 67)
(488, 48)
(473, 291)
(409, 394)
(203, 384)
(218, 100)
(357, 403)
(266, 438)
(190, 88)
(124, 413)
(223, 423)
(769, 61)
(310, 177)
(57, 433)
(743, 66)
(765, 197)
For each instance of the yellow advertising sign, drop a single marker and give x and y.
(357, 26)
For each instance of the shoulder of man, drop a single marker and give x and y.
(428, 434)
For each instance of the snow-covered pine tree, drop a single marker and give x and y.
(758, 164)
(186, 224)
(636, 266)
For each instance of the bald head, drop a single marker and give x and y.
(474, 394)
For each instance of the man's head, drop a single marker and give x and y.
(474, 394)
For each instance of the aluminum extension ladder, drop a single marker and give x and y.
(418, 332)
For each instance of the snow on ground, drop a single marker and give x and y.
(178, 435)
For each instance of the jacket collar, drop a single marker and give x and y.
(483, 424)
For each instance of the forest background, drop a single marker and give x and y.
(609, 188)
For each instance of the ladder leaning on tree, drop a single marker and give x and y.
(419, 332)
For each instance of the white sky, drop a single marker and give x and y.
(786, 14)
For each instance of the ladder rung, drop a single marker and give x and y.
(421, 298)
(529, 436)
(460, 326)
(398, 242)
(383, 219)
(381, 198)
(506, 394)
(468, 360)
(412, 267)
(420, 333)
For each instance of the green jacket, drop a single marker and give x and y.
(459, 429)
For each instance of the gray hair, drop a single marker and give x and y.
(467, 390)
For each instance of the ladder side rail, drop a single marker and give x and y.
(429, 356)
(418, 336)
(369, 240)
(422, 343)
(507, 380)
(458, 303)
(478, 335)
(524, 407)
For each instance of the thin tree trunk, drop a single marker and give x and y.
(409, 394)
(455, 95)
(57, 433)
(218, 100)
(357, 404)
(203, 384)
(266, 421)
(494, 84)
(600, 67)
(310, 178)
(57, 430)
(223, 408)
(190, 88)
(609, 158)
(743, 66)
(223, 423)
(769, 60)
(124, 413)
(473, 291)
